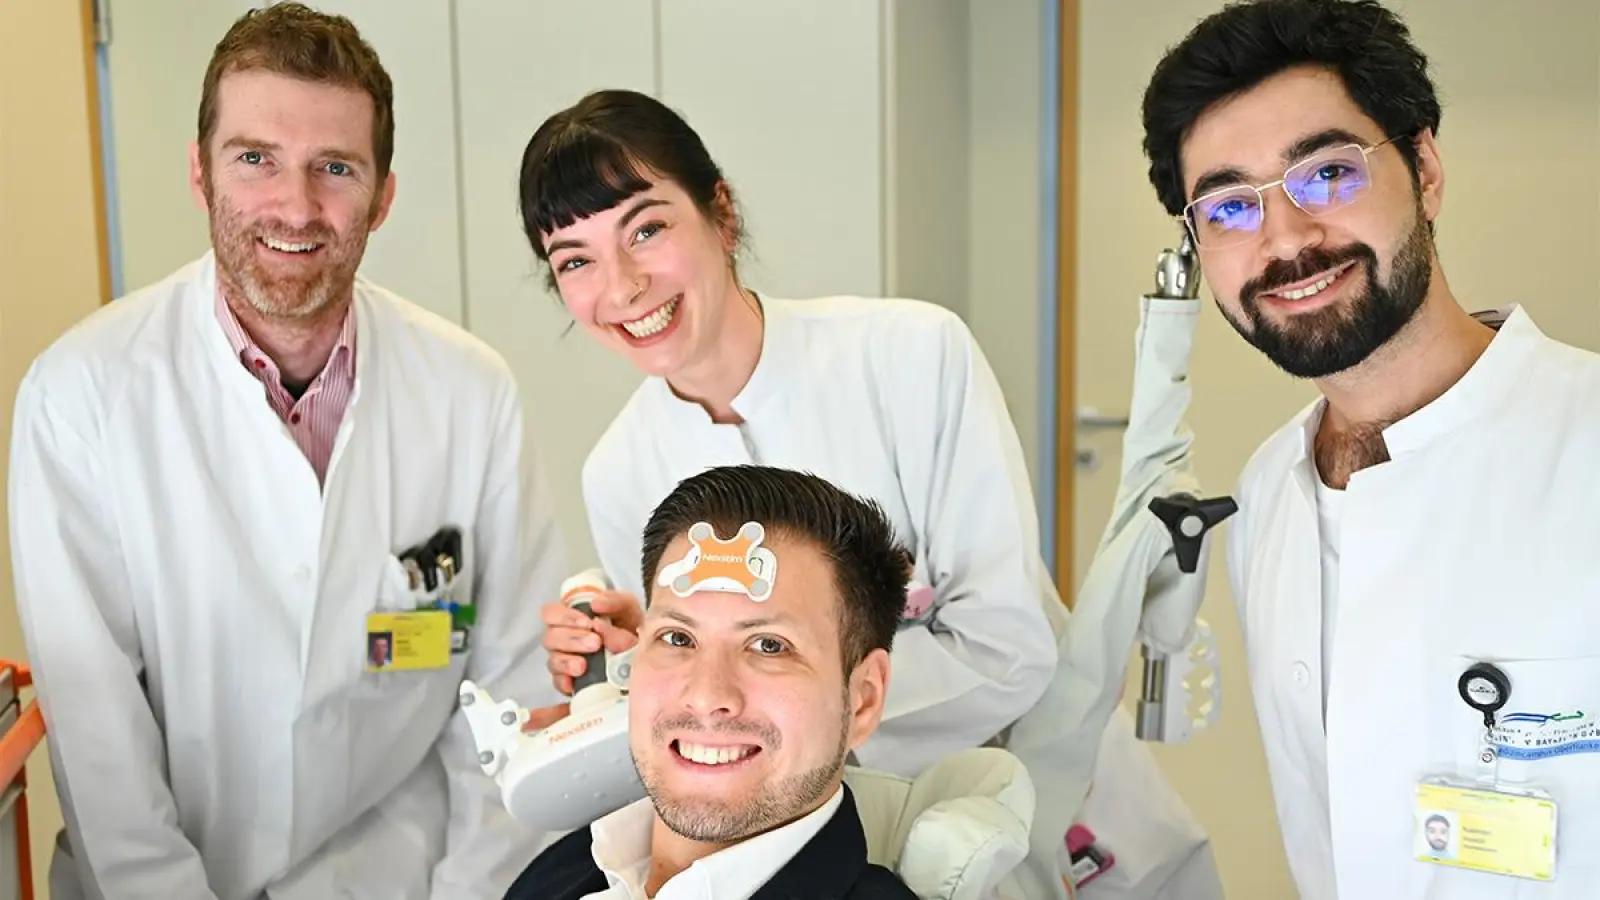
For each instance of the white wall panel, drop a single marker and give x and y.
(928, 151)
(1009, 206)
(417, 251)
(787, 95)
(158, 55)
(519, 63)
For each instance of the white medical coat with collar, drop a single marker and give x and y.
(1476, 542)
(893, 400)
(194, 606)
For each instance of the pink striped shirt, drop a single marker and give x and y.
(314, 418)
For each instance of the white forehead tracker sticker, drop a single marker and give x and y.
(738, 565)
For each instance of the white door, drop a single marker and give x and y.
(1517, 115)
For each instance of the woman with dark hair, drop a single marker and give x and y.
(891, 399)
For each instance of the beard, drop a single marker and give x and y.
(775, 803)
(277, 293)
(1333, 339)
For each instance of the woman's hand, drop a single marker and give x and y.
(569, 634)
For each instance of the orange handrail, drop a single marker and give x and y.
(16, 745)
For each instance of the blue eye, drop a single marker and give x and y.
(338, 168)
(1232, 212)
(1227, 210)
(251, 157)
(1331, 183)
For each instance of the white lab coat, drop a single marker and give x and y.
(194, 606)
(1475, 543)
(893, 400)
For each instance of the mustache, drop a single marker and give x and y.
(1282, 272)
(763, 734)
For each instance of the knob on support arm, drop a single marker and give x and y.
(1165, 695)
(1188, 518)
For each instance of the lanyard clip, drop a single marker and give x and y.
(1486, 689)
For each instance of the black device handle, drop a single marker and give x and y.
(594, 664)
(1188, 518)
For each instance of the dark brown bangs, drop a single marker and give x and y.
(579, 173)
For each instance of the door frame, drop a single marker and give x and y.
(91, 43)
(1063, 416)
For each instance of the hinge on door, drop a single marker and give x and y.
(102, 22)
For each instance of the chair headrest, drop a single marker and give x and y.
(953, 832)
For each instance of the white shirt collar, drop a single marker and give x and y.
(621, 848)
(1494, 376)
(775, 364)
(774, 370)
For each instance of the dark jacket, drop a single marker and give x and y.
(831, 866)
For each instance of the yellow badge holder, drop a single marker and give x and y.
(408, 641)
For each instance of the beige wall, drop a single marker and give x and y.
(49, 257)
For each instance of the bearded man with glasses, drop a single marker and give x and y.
(1416, 560)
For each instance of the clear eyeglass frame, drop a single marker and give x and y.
(1222, 239)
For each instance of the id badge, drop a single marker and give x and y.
(408, 641)
(1499, 831)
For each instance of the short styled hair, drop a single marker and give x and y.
(870, 567)
(294, 40)
(1231, 51)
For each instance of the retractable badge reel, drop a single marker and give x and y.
(1486, 689)
(1479, 823)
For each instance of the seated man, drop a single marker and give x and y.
(742, 710)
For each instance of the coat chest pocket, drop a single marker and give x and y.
(423, 630)
(1548, 739)
(1549, 728)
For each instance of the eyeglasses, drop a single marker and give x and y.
(1325, 181)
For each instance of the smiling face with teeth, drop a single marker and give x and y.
(289, 180)
(652, 279)
(621, 200)
(1317, 295)
(741, 715)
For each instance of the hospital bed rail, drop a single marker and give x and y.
(21, 732)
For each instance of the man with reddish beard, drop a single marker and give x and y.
(1414, 558)
(213, 483)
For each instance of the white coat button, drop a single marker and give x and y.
(1302, 674)
(302, 573)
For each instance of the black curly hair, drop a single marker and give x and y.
(1233, 50)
